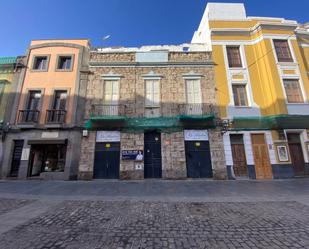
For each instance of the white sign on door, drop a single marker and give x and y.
(108, 136)
(196, 135)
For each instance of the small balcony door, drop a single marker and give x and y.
(194, 97)
(111, 97)
(31, 114)
(58, 112)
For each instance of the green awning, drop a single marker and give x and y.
(7, 60)
(283, 121)
(196, 118)
(141, 124)
(104, 120)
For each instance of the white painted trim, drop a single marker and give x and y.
(248, 146)
(254, 41)
(192, 75)
(111, 76)
(246, 81)
(152, 75)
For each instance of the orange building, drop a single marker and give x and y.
(45, 134)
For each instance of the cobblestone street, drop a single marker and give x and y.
(97, 223)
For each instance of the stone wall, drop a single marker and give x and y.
(128, 170)
(87, 157)
(217, 154)
(173, 156)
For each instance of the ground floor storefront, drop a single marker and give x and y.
(50, 155)
(268, 154)
(152, 154)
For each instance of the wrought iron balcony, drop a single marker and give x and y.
(107, 110)
(28, 116)
(55, 116)
(195, 109)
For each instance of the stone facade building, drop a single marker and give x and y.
(151, 113)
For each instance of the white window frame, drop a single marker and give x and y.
(242, 56)
(241, 83)
(200, 90)
(112, 102)
(290, 47)
(244, 71)
(293, 77)
(152, 103)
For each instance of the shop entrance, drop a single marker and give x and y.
(296, 152)
(152, 161)
(198, 159)
(106, 160)
(46, 158)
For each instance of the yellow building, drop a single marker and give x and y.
(262, 87)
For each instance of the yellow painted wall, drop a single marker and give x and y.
(221, 80)
(6, 74)
(266, 83)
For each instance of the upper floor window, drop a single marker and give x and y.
(40, 63)
(60, 100)
(193, 91)
(64, 63)
(111, 97)
(152, 93)
(58, 112)
(283, 51)
(240, 95)
(293, 91)
(194, 96)
(233, 55)
(34, 100)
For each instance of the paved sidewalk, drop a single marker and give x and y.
(154, 214)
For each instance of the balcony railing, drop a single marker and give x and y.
(107, 110)
(55, 116)
(195, 109)
(28, 116)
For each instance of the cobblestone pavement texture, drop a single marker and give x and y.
(148, 224)
(7, 205)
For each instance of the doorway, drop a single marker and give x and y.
(296, 153)
(263, 168)
(106, 160)
(198, 159)
(46, 158)
(152, 160)
(18, 148)
(239, 155)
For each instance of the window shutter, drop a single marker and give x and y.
(108, 92)
(293, 91)
(149, 91)
(115, 91)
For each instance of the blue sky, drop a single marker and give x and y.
(129, 22)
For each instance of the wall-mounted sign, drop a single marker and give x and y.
(136, 155)
(283, 155)
(108, 136)
(25, 154)
(196, 135)
(139, 166)
(53, 134)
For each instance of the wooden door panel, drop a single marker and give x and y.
(239, 160)
(261, 158)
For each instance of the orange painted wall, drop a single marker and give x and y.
(51, 80)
